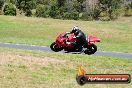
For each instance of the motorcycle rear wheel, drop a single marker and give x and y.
(54, 47)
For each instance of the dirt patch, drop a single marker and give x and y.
(8, 58)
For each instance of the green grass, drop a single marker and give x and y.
(30, 69)
(115, 35)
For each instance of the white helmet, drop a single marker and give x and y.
(75, 29)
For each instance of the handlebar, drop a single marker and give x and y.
(65, 35)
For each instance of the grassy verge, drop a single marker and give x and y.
(115, 35)
(29, 69)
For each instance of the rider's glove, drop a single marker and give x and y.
(67, 32)
(68, 43)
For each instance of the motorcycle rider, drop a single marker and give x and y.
(80, 38)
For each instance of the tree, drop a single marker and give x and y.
(96, 12)
(13, 1)
(1, 4)
(43, 2)
(78, 5)
(53, 11)
(127, 9)
(61, 3)
(42, 11)
(26, 6)
(111, 6)
(130, 5)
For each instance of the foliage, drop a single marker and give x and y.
(96, 12)
(110, 6)
(28, 12)
(42, 11)
(9, 9)
(87, 16)
(78, 5)
(53, 11)
(26, 6)
(73, 15)
(12, 1)
(1, 4)
(61, 3)
(67, 15)
(128, 10)
(44, 2)
(130, 5)
(71, 9)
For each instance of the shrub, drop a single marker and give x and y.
(117, 13)
(110, 6)
(86, 16)
(28, 12)
(26, 6)
(53, 11)
(67, 15)
(75, 15)
(128, 10)
(70, 16)
(96, 12)
(42, 11)
(9, 9)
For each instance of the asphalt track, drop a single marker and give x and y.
(47, 49)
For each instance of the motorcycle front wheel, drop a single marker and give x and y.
(55, 48)
(91, 49)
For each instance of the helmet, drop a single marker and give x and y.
(75, 30)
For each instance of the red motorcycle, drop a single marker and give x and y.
(60, 44)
